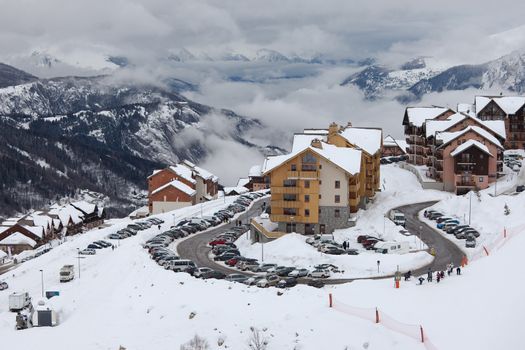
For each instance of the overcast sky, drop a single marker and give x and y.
(358, 28)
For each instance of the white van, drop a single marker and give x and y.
(397, 217)
(19, 301)
(67, 273)
(181, 265)
(392, 247)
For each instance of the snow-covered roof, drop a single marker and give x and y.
(66, 213)
(418, 115)
(468, 144)
(255, 171)
(18, 238)
(178, 185)
(155, 172)
(403, 145)
(84, 206)
(348, 159)
(42, 220)
(36, 230)
(509, 104)
(243, 181)
(184, 172)
(2, 254)
(389, 141)
(369, 140)
(433, 126)
(300, 141)
(205, 174)
(237, 189)
(446, 137)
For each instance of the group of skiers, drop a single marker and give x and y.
(439, 274)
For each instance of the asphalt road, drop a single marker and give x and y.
(6, 267)
(446, 251)
(196, 247)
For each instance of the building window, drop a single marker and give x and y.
(337, 198)
(480, 179)
(289, 197)
(320, 166)
(320, 182)
(337, 213)
(337, 184)
(307, 212)
(293, 167)
(319, 196)
(306, 183)
(290, 183)
(307, 198)
(309, 162)
(319, 211)
(290, 211)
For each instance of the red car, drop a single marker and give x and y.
(232, 262)
(218, 241)
(369, 243)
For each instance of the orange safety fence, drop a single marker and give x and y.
(498, 242)
(373, 314)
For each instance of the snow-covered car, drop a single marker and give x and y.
(200, 271)
(299, 273)
(470, 243)
(251, 281)
(268, 281)
(3, 285)
(319, 274)
(236, 277)
(87, 251)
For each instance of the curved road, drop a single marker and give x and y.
(446, 251)
(196, 247)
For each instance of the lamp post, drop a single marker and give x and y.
(79, 257)
(42, 280)
(470, 207)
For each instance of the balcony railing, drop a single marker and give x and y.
(291, 218)
(285, 204)
(286, 190)
(308, 175)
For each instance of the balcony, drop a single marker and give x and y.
(306, 175)
(415, 140)
(285, 204)
(286, 190)
(292, 218)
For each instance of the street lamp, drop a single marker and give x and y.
(42, 279)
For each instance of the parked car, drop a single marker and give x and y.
(284, 271)
(299, 273)
(225, 256)
(180, 265)
(457, 228)
(287, 282)
(245, 265)
(213, 274)
(319, 274)
(94, 246)
(87, 251)
(435, 215)
(470, 243)
(335, 251)
(329, 267)
(236, 277)
(262, 267)
(217, 241)
(520, 188)
(3, 285)
(351, 251)
(252, 281)
(268, 281)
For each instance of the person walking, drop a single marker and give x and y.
(438, 278)
(159, 227)
(112, 247)
(458, 271)
(429, 275)
(344, 245)
(421, 279)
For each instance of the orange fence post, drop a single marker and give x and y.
(486, 251)
(377, 315)
(504, 232)
(422, 334)
(330, 299)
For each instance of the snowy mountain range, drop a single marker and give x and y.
(122, 130)
(414, 79)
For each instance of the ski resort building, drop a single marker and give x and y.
(458, 150)
(393, 147)
(179, 186)
(511, 110)
(329, 174)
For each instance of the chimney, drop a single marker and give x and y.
(349, 124)
(317, 143)
(333, 129)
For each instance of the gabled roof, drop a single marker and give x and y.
(470, 143)
(316, 131)
(18, 238)
(85, 207)
(178, 185)
(205, 174)
(389, 141)
(367, 139)
(348, 159)
(184, 172)
(433, 126)
(509, 104)
(418, 115)
(243, 181)
(300, 141)
(447, 137)
(255, 171)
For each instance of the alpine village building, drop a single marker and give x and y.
(329, 174)
(179, 186)
(464, 150)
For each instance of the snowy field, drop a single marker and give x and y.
(399, 187)
(124, 298)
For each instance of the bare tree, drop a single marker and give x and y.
(257, 341)
(196, 343)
